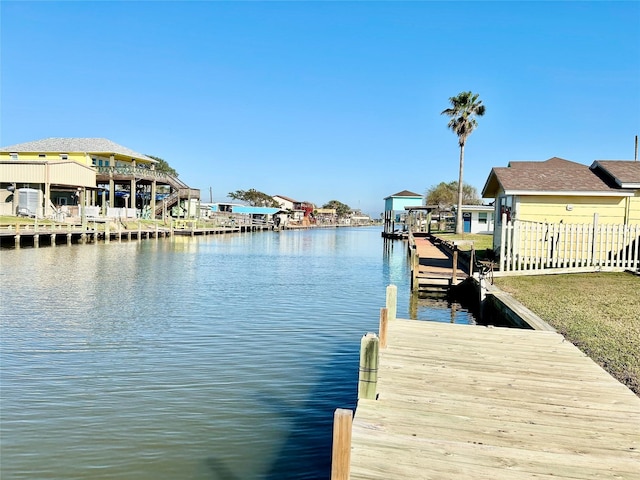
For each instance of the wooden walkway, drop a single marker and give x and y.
(434, 267)
(470, 402)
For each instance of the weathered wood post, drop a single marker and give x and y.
(472, 259)
(415, 269)
(392, 301)
(384, 323)
(341, 450)
(16, 237)
(368, 373)
(454, 271)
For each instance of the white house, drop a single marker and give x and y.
(286, 203)
(478, 218)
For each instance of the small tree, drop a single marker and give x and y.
(445, 195)
(254, 198)
(464, 109)
(342, 210)
(163, 166)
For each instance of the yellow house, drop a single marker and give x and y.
(561, 192)
(89, 171)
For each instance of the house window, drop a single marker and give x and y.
(482, 217)
(42, 155)
(13, 156)
(94, 162)
(64, 156)
(505, 206)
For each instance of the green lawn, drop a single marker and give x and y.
(481, 243)
(598, 312)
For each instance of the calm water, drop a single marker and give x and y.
(218, 357)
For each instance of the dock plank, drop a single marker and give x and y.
(460, 401)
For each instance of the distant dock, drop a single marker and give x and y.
(453, 401)
(433, 271)
(21, 234)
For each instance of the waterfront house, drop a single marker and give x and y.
(90, 172)
(243, 214)
(299, 211)
(395, 207)
(558, 192)
(286, 203)
(326, 216)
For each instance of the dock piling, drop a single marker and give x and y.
(384, 322)
(454, 273)
(368, 372)
(392, 301)
(341, 451)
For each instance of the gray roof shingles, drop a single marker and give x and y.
(553, 175)
(624, 171)
(68, 145)
(405, 193)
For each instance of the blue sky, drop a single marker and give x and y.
(324, 100)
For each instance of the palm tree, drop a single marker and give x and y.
(464, 109)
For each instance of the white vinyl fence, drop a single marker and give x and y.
(532, 247)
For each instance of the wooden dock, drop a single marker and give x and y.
(462, 401)
(432, 270)
(18, 235)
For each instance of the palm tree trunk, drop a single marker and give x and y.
(459, 228)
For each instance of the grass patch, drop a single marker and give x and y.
(22, 220)
(480, 241)
(597, 312)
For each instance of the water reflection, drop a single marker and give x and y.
(439, 309)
